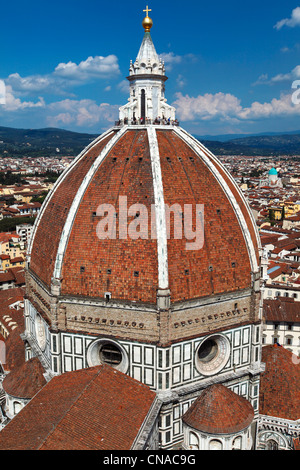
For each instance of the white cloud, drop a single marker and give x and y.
(33, 84)
(170, 59)
(100, 67)
(227, 107)
(293, 75)
(15, 104)
(282, 77)
(206, 107)
(73, 113)
(65, 76)
(29, 84)
(180, 81)
(123, 86)
(81, 113)
(291, 22)
(276, 108)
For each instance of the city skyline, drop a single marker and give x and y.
(231, 69)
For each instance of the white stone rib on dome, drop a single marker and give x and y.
(161, 226)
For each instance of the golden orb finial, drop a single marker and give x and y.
(147, 22)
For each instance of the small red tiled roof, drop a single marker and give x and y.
(6, 277)
(19, 259)
(19, 275)
(91, 409)
(279, 385)
(26, 380)
(282, 310)
(219, 410)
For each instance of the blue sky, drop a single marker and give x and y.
(231, 65)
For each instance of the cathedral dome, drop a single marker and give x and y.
(149, 167)
(145, 211)
(219, 411)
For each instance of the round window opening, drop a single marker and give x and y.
(208, 351)
(109, 352)
(212, 355)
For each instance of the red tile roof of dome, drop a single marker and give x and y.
(47, 237)
(218, 410)
(190, 175)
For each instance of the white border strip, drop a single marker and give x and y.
(160, 212)
(190, 141)
(76, 202)
(57, 184)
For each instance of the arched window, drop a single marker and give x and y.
(237, 443)
(193, 441)
(17, 407)
(215, 445)
(143, 105)
(271, 445)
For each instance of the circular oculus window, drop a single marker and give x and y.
(212, 355)
(106, 351)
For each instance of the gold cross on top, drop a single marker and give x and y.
(147, 10)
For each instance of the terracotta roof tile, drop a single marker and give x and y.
(279, 386)
(282, 310)
(219, 410)
(14, 350)
(91, 268)
(26, 380)
(91, 409)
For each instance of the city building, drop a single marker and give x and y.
(282, 324)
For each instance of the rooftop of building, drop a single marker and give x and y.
(279, 385)
(90, 409)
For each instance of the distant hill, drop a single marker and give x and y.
(229, 137)
(45, 142)
(42, 142)
(267, 145)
